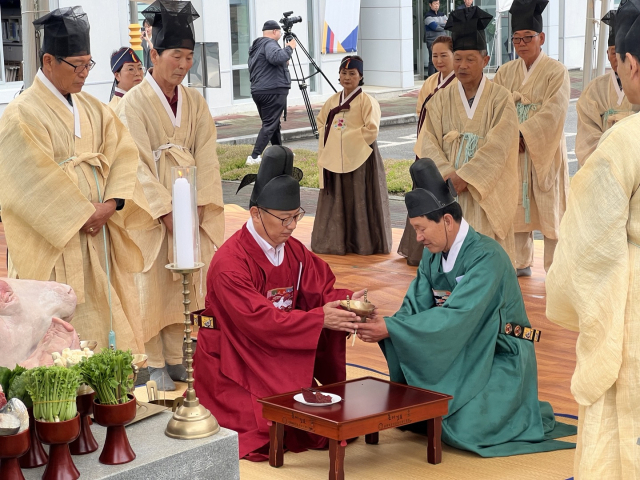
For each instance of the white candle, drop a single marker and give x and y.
(183, 224)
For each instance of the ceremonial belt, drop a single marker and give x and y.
(518, 331)
(203, 321)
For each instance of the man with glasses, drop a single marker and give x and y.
(69, 188)
(540, 87)
(272, 322)
(128, 72)
(172, 126)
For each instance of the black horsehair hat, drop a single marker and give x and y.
(467, 28)
(527, 15)
(628, 28)
(430, 191)
(277, 183)
(172, 23)
(66, 32)
(610, 19)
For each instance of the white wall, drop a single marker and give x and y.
(574, 28)
(386, 42)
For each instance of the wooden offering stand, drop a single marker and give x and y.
(368, 406)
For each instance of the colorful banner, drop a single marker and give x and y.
(340, 32)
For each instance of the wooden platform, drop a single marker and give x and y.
(387, 278)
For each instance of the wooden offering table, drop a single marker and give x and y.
(368, 406)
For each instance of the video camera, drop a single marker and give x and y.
(288, 21)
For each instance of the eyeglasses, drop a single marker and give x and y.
(527, 39)
(79, 68)
(288, 220)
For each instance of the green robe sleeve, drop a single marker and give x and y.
(428, 340)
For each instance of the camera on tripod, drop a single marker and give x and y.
(288, 21)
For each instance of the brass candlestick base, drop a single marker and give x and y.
(191, 420)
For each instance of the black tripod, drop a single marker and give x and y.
(301, 79)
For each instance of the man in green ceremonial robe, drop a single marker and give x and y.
(463, 330)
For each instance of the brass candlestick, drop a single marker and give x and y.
(191, 420)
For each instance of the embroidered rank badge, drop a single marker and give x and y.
(440, 296)
(282, 298)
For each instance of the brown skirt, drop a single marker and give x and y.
(409, 247)
(353, 211)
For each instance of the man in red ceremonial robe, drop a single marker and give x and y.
(277, 322)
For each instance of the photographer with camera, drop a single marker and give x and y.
(270, 84)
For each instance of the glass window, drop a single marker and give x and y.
(240, 31)
(11, 57)
(241, 84)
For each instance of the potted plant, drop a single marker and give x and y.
(13, 382)
(86, 442)
(110, 375)
(53, 392)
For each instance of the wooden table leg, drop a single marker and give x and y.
(336, 460)
(276, 448)
(371, 438)
(434, 444)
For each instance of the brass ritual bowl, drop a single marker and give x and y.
(360, 308)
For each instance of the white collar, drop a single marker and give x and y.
(527, 73)
(441, 80)
(175, 119)
(617, 88)
(73, 109)
(119, 90)
(274, 254)
(343, 100)
(450, 261)
(476, 100)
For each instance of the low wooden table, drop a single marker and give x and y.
(368, 406)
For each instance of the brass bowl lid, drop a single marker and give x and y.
(358, 307)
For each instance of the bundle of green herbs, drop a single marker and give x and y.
(110, 374)
(13, 383)
(53, 391)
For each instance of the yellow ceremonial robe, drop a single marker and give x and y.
(593, 287)
(541, 97)
(600, 106)
(50, 178)
(480, 143)
(163, 145)
(428, 87)
(113, 103)
(352, 133)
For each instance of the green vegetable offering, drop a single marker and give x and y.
(53, 391)
(18, 389)
(110, 374)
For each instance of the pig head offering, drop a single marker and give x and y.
(33, 321)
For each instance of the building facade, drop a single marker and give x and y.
(389, 40)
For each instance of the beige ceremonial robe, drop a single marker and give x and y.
(480, 144)
(54, 162)
(427, 89)
(358, 129)
(593, 288)
(165, 141)
(600, 106)
(429, 86)
(541, 96)
(113, 103)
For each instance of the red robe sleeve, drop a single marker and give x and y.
(264, 349)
